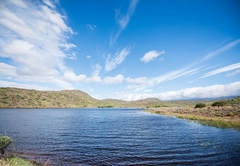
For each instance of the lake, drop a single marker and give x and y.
(116, 137)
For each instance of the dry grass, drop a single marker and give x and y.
(223, 117)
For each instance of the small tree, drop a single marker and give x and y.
(4, 143)
(219, 103)
(200, 105)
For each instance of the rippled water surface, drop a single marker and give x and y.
(116, 137)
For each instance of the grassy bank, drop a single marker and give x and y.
(15, 161)
(222, 118)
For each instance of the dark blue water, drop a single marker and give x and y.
(116, 137)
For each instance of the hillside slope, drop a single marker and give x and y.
(24, 98)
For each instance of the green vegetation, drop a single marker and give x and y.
(220, 123)
(107, 106)
(200, 105)
(4, 143)
(212, 122)
(219, 103)
(15, 161)
(5, 158)
(24, 98)
(158, 106)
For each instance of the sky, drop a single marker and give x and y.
(125, 49)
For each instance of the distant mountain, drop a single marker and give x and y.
(25, 98)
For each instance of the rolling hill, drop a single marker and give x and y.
(25, 98)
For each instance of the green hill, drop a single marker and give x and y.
(24, 98)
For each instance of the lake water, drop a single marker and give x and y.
(116, 137)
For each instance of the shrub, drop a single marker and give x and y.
(219, 103)
(200, 105)
(4, 143)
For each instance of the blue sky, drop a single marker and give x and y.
(129, 50)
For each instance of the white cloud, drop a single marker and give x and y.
(225, 48)
(24, 86)
(213, 91)
(71, 77)
(91, 27)
(113, 80)
(123, 20)
(88, 56)
(118, 58)
(49, 3)
(138, 81)
(7, 70)
(19, 3)
(94, 79)
(151, 55)
(223, 69)
(34, 36)
(233, 73)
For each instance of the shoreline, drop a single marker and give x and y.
(222, 117)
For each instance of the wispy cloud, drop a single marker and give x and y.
(123, 20)
(226, 47)
(24, 86)
(19, 3)
(118, 58)
(88, 56)
(166, 77)
(91, 27)
(49, 3)
(151, 55)
(233, 73)
(213, 91)
(34, 36)
(161, 59)
(223, 42)
(221, 70)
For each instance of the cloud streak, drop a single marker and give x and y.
(233, 73)
(91, 27)
(118, 58)
(123, 20)
(146, 83)
(225, 48)
(221, 70)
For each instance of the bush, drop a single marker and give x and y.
(4, 143)
(219, 103)
(200, 105)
